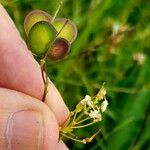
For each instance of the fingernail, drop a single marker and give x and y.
(25, 130)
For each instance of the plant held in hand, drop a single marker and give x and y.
(50, 38)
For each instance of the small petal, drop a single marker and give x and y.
(87, 97)
(104, 105)
(90, 103)
(94, 114)
(86, 100)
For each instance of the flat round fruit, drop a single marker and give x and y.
(34, 17)
(40, 37)
(59, 49)
(69, 31)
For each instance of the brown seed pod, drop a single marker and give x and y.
(33, 17)
(59, 49)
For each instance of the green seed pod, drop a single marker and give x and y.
(69, 32)
(59, 49)
(40, 37)
(34, 17)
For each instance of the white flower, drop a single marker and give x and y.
(104, 105)
(90, 103)
(87, 97)
(139, 58)
(94, 114)
(86, 100)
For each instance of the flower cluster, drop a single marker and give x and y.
(87, 112)
(94, 110)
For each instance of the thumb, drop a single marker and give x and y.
(26, 123)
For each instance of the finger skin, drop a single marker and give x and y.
(19, 130)
(61, 146)
(54, 101)
(19, 71)
(18, 68)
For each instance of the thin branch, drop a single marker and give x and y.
(83, 126)
(71, 138)
(45, 80)
(57, 11)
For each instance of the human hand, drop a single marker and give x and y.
(26, 123)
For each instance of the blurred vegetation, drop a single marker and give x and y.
(110, 34)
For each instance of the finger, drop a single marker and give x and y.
(26, 123)
(61, 146)
(18, 68)
(54, 101)
(19, 71)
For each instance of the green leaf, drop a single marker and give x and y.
(34, 17)
(40, 37)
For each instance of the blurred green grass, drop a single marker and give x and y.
(110, 32)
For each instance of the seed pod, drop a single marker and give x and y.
(59, 49)
(69, 32)
(40, 37)
(34, 17)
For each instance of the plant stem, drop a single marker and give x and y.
(45, 81)
(57, 11)
(79, 122)
(83, 126)
(74, 117)
(71, 138)
(42, 65)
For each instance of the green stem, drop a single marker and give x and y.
(42, 72)
(68, 120)
(71, 138)
(42, 64)
(74, 117)
(83, 126)
(79, 122)
(57, 11)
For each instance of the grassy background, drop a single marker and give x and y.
(110, 32)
